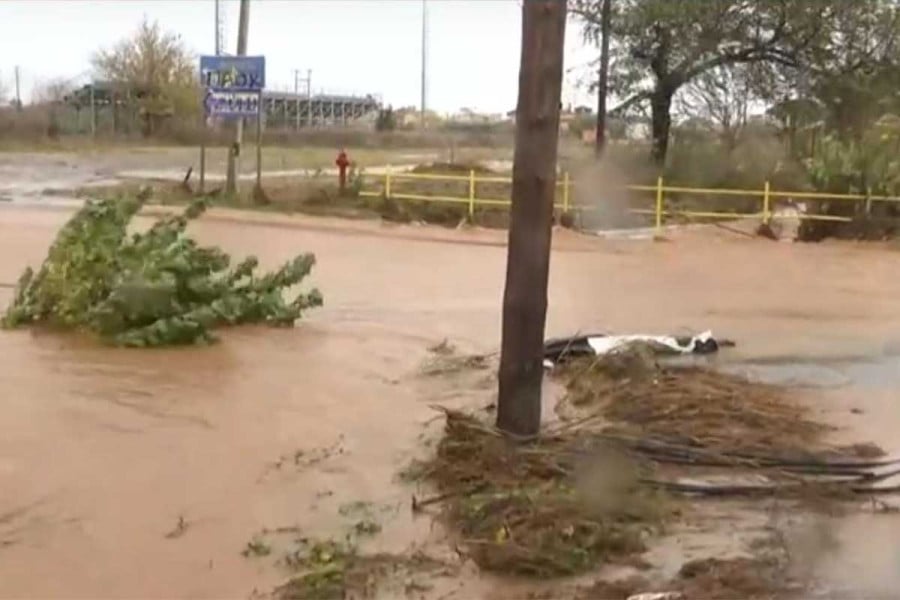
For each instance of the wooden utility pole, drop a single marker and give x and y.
(235, 151)
(531, 216)
(603, 81)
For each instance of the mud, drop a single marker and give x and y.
(105, 453)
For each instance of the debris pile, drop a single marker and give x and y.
(153, 288)
(691, 406)
(541, 508)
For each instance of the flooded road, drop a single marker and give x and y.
(105, 452)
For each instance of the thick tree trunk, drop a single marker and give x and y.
(603, 81)
(661, 123)
(531, 216)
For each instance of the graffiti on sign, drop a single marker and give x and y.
(234, 73)
(231, 104)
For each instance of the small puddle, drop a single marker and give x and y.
(880, 373)
(854, 556)
(861, 372)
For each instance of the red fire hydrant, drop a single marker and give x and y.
(342, 163)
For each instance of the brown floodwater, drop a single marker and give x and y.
(104, 451)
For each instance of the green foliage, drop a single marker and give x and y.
(154, 68)
(869, 164)
(386, 120)
(662, 47)
(154, 288)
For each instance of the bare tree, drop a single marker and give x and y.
(531, 216)
(721, 96)
(51, 90)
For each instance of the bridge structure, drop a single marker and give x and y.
(288, 110)
(282, 110)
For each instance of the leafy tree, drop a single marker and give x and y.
(386, 120)
(156, 70)
(659, 46)
(854, 74)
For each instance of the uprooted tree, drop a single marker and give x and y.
(152, 288)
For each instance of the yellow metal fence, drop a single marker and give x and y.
(660, 212)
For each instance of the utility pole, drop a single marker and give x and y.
(531, 217)
(297, 99)
(309, 111)
(603, 81)
(218, 30)
(424, 57)
(18, 91)
(235, 150)
(93, 110)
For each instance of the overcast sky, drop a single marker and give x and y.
(352, 46)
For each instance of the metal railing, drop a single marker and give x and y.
(660, 212)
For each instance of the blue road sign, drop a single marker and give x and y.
(233, 73)
(231, 104)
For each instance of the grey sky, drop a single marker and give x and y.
(352, 46)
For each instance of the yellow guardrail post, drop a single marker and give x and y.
(566, 192)
(387, 181)
(868, 200)
(659, 204)
(471, 194)
(766, 206)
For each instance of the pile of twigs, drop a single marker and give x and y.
(535, 508)
(690, 406)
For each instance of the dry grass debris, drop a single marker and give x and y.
(693, 406)
(330, 570)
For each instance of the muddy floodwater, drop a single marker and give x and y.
(143, 474)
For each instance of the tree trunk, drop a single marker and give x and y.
(603, 81)
(531, 216)
(661, 117)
